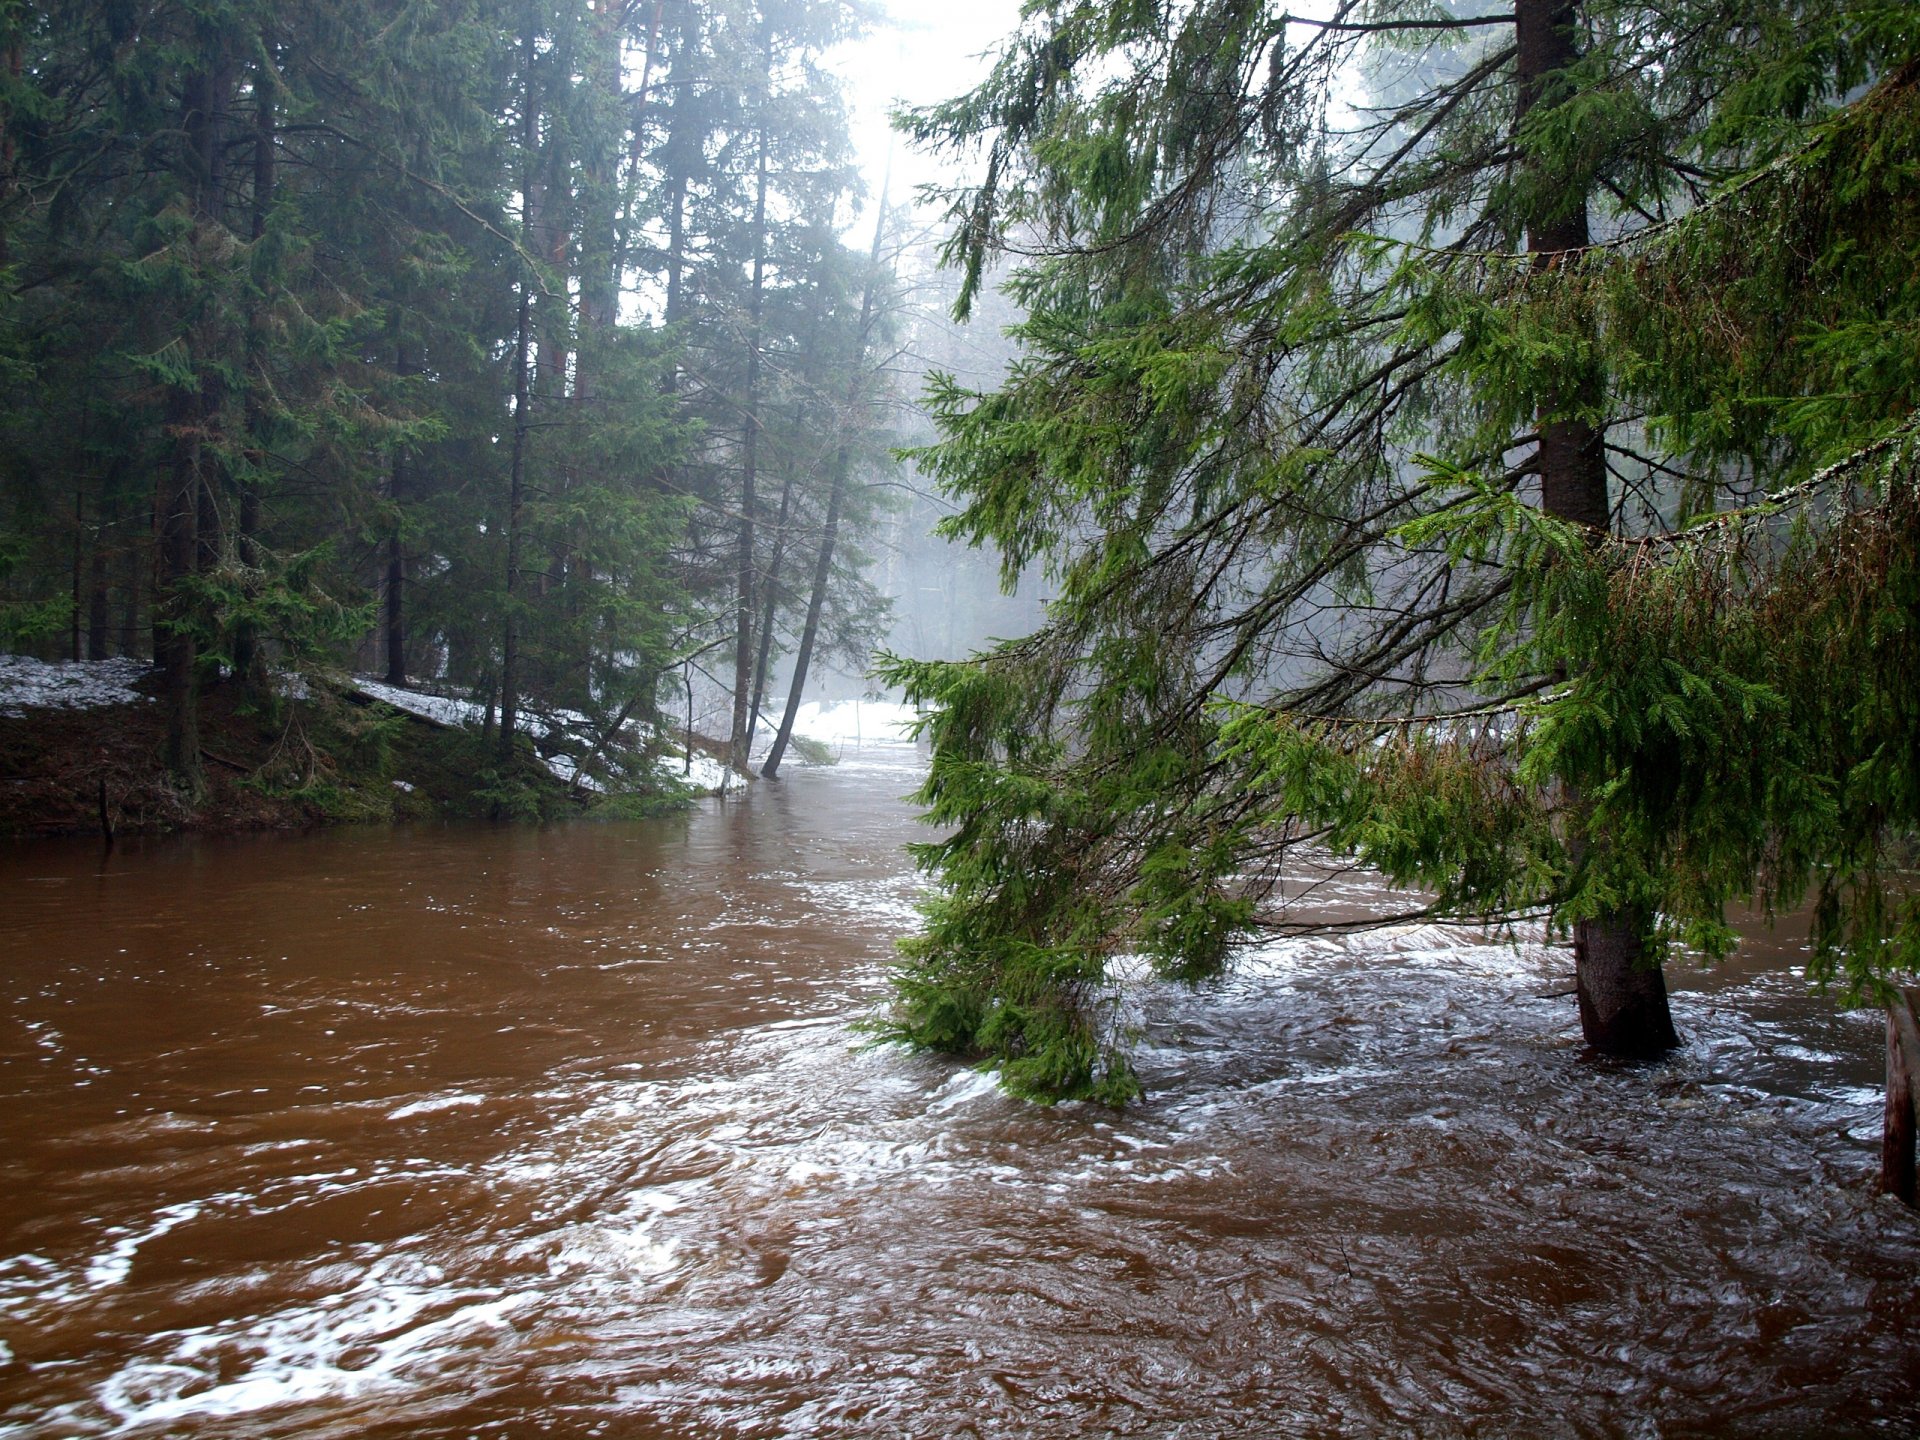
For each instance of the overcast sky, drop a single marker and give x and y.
(920, 51)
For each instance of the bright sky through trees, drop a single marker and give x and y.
(917, 52)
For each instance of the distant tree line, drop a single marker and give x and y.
(505, 343)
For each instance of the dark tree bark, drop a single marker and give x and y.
(1622, 990)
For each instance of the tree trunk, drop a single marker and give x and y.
(741, 735)
(823, 562)
(97, 613)
(1897, 1141)
(768, 602)
(247, 665)
(193, 411)
(1622, 991)
(816, 603)
(517, 469)
(397, 555)
(136, 555)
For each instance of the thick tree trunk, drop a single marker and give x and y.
(1622, 992)
(1897, 1139)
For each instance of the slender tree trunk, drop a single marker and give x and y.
(769, 599)
(1623, 995)
(97, 625)
(810, 632)
(99, 622)
(517, 468)
(742, 732)
(78, 578)
(829, 530)
(396, 586)
(136, 555)
(173, 645)
(247, 664)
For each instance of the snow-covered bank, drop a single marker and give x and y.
(28, 684)
(702, 772)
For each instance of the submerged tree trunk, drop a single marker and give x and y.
(1622, 991)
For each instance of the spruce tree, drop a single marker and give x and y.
(1253, 395)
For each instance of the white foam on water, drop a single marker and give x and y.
(388, 1331)
(437, 1102)
(114, 1265)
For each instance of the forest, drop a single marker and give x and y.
(511, 348)
(1229, 748)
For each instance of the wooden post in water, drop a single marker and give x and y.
(1903, 1069)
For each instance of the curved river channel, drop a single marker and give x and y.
(495, 1132)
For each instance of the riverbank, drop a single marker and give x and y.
(80, 748)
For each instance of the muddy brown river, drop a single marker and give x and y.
(495, 1132)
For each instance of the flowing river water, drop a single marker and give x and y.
(565, 1132)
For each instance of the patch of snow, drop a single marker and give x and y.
(443, 708)
(565, 767)
(403, 785)
(705, 773)
(28, 684)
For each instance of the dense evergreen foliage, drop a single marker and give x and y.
(1504, 476)
(505, 343)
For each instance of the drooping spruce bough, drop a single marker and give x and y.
(1509, 485)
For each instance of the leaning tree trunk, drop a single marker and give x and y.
(823, 562)
(1622, 991)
